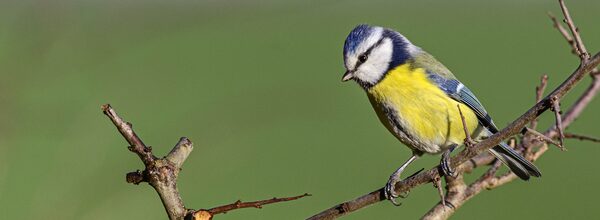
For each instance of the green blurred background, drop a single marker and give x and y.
(256, 86)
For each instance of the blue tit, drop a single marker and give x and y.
(417, 99)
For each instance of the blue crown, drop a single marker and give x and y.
(356, 36)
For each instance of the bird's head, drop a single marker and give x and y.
(370, 52)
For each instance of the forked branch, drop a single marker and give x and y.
(162, 173)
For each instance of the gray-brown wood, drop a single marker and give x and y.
(162, 173)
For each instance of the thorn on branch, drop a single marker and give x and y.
(582, 137)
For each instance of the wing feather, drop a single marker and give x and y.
(459, 92)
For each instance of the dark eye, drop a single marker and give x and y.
(362, 58)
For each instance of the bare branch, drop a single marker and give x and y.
(456, 194)
(556, 109)
(542, 137)
(581, 51)
(561, 29)
(437, 183)
(539, 94)
(162, 173)
(208, 214)
(577, 108)
(491, 172)
(468, 140)
(136, 144)
(582, 137)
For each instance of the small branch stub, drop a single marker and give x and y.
(135, 177)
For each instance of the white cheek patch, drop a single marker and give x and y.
(377, 63)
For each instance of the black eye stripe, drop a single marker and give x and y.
(379, 42)
(368, 52)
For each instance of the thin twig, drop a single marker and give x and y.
(542, 137)
(561, 29)
(581, 103)
(492, 170)
(582, 137)
(468, 140)
(539, 94)
(136, 144)
(437, 183)
(456, 192)
(581, 51)
(558, 117)
(209, 213)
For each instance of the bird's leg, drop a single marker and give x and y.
(445, 163)
(389, 190)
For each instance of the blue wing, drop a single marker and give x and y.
(459, 92)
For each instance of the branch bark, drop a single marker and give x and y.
(162, 173)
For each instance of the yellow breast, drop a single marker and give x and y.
(428, 114)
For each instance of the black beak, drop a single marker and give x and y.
(347, 76)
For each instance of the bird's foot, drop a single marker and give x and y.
(446, 164)
(447, 170)
(390, 189)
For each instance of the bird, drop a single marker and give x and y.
(420, 101)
